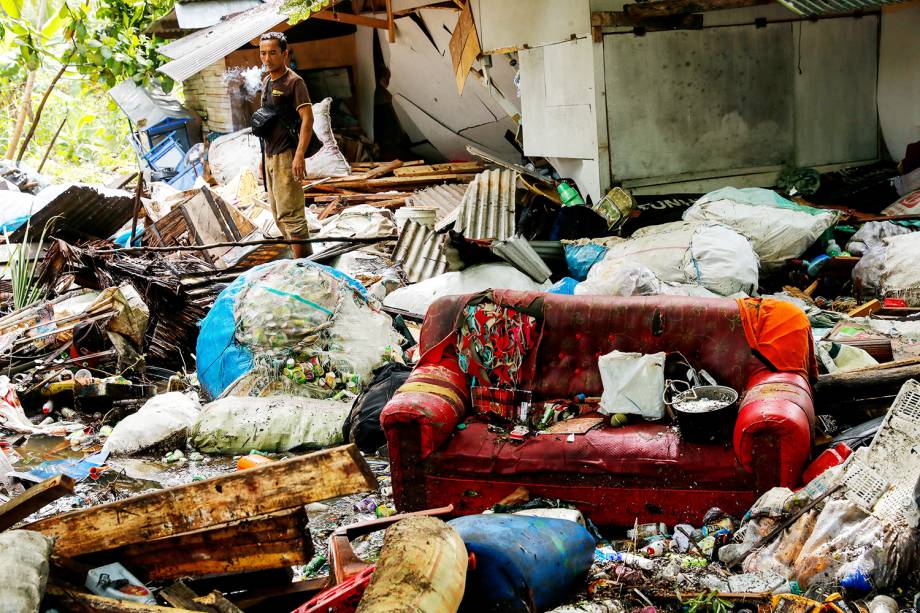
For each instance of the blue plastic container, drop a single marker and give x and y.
(523, 564)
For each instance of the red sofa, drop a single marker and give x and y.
(614, 475)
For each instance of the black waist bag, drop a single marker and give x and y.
(262, 120)
(267, 114)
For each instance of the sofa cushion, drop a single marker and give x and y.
(651, 452)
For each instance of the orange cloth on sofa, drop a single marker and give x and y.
(780, 333)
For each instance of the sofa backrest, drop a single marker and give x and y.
(579, 329)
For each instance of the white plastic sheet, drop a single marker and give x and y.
(633, 383)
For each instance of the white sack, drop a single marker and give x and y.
(230, 154)
(164, 420)
(23, 570)
(685, 258)
(633, 383)
(234, 424)
(418, 297)
(900, 273)
(778, 229)
(328, 161)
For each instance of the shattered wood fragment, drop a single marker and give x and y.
(279, 540)
(215, 601)
(181, 596)
(273, 487)
(383, 169)
(866, 309)
(34, 499)
(82, 601)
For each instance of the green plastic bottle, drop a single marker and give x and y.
(569, 195)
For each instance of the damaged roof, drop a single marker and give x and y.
(198, 50)
(79, 212)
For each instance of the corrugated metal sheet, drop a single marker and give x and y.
(518, 252)
(197, 51)
(419, 252)
(82, 211)
(206, 13)
(146, 109)
(487, 209)
(827, 7)
(445, 198)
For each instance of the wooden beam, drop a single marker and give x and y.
(428, 169)
(391, 24)
(355, 20)
(34, 499)
(279, 540)
(666, 8)
(180, 595)
(872, 382)
(666, 22)
(382, 169)
(82, 601)
(201, 504)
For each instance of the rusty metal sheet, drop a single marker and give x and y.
(82, 212)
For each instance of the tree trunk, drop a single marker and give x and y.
(21, 119)
(38, 111)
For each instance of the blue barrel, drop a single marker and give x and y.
(523, 564)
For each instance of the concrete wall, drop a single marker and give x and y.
(899, 77)
(737, 99)
(207, 94)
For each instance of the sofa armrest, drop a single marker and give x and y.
(773, 433)
(434, 398)
(418, 419)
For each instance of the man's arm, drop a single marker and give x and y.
(298, 168)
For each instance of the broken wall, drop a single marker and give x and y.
(899, 77)
(739, 100)
(207, 94)
(559, 66)
(441, 123)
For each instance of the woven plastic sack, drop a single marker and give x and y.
(281, 423)
(24, 557)
(900, 276)
(230, 154)
(164, 420)
(674, 258)
(778, 229)
(293, 327)
(328, 161)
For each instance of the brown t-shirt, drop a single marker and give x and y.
(288, 93)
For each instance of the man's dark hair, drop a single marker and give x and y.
(278, 36)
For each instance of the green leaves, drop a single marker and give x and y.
(13, 8)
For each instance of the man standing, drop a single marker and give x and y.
(287, 139)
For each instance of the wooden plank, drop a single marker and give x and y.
(865, 309)
(382, 169)
(83, 601)
(429, 169)
(464, 46)
(279, 540)
(360, 198)
(355, 20)
(180, 595)
(330, 208)
(34, 499)
(201, 504)
(421, 180)
(876, 381)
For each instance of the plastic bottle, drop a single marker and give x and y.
(644, 531)
(114, 581)
(654, 549)
(569, 195)
(833, 249)
(833, 456)
(251, 461)
(615, 207)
